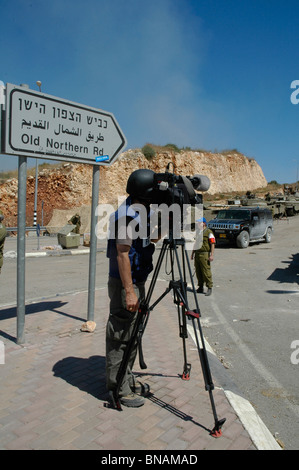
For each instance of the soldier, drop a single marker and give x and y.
(203, 257)
(3, 233)
(75, 220)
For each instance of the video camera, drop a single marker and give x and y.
(175, 189)
(177, 203)
(167, 188)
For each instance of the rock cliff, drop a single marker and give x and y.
(70, 185)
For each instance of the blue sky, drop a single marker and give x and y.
(203, 74)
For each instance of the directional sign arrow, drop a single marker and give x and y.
(44, 126)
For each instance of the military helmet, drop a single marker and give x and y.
(140, 184)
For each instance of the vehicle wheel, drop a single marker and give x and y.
(268, 235)
(243, 239)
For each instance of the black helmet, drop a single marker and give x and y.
(140, 184)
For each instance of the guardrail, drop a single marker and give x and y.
(27, 229)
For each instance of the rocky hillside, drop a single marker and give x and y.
(70, 185)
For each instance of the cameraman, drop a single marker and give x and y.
(130, 254)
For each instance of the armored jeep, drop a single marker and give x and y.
(242, 225)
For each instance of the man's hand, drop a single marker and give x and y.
(124, 267)
(132, 302)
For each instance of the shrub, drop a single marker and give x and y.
(172, 147)
(148, 151)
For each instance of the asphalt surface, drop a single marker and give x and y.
(252, 323)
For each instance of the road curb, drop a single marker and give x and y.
(42, 254)
(257, 430)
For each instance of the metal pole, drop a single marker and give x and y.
(22, 183)
(93, 242)
(35, 195)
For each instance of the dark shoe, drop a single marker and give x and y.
(132, 400)
(200, 290)
(209, 291)
(141, 389)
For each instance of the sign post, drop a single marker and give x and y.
(44, 126)
(93, 243)
(22, 186)
(38, 235)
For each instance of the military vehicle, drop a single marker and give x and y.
(242, 225)
(249, 199)
(283, 205)
(210, 210)
(292, 205)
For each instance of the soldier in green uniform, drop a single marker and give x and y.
(2, 238)
(203, 255)
(75, 220)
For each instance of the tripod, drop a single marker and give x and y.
(179, 288)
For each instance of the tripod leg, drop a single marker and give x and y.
(209, 386)
(139, 340)
(180, 298)
(187, 365)
(184, 336)
(147, 301)
(195, 315)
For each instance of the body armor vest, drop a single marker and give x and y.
(141, 251)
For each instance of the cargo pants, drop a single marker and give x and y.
(203, 269)
(119, 330)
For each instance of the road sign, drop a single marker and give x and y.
(43, 126)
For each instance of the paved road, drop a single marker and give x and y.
(250, 320)
(50, 275)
